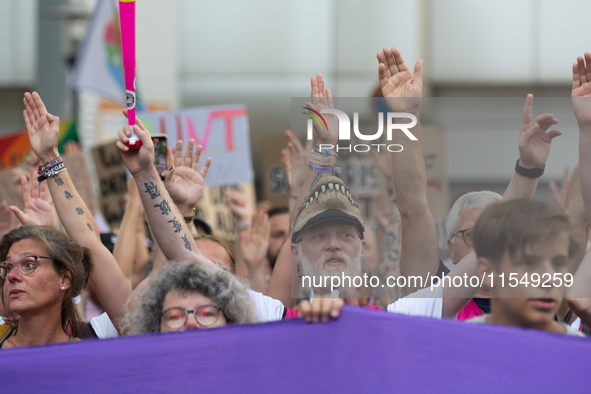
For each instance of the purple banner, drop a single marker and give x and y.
(362, 352)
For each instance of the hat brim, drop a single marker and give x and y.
(328, 215)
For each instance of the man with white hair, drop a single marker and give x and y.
(462, 216)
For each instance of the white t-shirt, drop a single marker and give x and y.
(103, 327)
(422, 302)
(266, 308)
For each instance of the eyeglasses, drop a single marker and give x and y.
(466, 236)
(27, 265)
(205, 315)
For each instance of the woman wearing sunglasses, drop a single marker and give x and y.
(187, 295)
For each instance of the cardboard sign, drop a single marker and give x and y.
(223, 132)
(274, 179)
(112, 179)
(212, 207)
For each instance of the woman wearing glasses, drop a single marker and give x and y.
(187, 295)
(43, 269)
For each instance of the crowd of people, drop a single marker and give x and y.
(63, 281)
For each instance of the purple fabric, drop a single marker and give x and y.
(363, 352)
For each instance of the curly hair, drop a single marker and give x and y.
(190, 276)
(67, 255)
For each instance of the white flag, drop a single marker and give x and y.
(99, 66)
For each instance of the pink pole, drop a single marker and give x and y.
(127, 23)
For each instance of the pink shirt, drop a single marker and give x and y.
(470, 311)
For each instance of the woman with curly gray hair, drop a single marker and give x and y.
(186, 295)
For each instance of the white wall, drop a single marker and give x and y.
(18, 43)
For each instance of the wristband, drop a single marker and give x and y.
(50, 164)
(324, 170)
(529, 172)
(189, 219)
(52, 171)
(321, 160)
(244, 224)
(329, 152)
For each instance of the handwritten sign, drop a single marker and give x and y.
(212, 207)
(110, 171)
(223, 132)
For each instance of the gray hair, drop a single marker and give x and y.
(190, 276)
(478, 200)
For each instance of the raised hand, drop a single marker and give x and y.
(253, 243)
(582, 90)
(534, 138)
(397, 81)
(37, 209)
(322, 99)
(238, 206)
(559, 194)
(136, 160)
(6, 219)
(297, 157)
(43, 128)
(184, 182)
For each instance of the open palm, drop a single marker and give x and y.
(322, 99)
(398, 82)
(184, 182)
(535, 140)
(581, 93)
(37, 209)
(43, 128)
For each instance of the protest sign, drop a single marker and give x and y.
(274, 179)
(112, 179)
(223, 131)
(212, 207)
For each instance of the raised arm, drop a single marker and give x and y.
(166, 222)
(111, 286)
(534, 143)
(581, 99)
(402, 91)
(285, 275)
(125, 247)
(579, 294)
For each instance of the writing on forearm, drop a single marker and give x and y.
(164, 207)
(79, 211)
(89, 227)
(315, 181)
(176, 225)
(152, 190)
(187, 243)
(59, 181)
(68, 195)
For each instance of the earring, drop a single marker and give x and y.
(63, 288)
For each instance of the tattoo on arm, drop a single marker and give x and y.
(187, 244)
(164, 207)
(68, 195)
(59, 181)
(152, 190)
(79, 211)
(89, 227)
(175, 225)
(315, 181)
